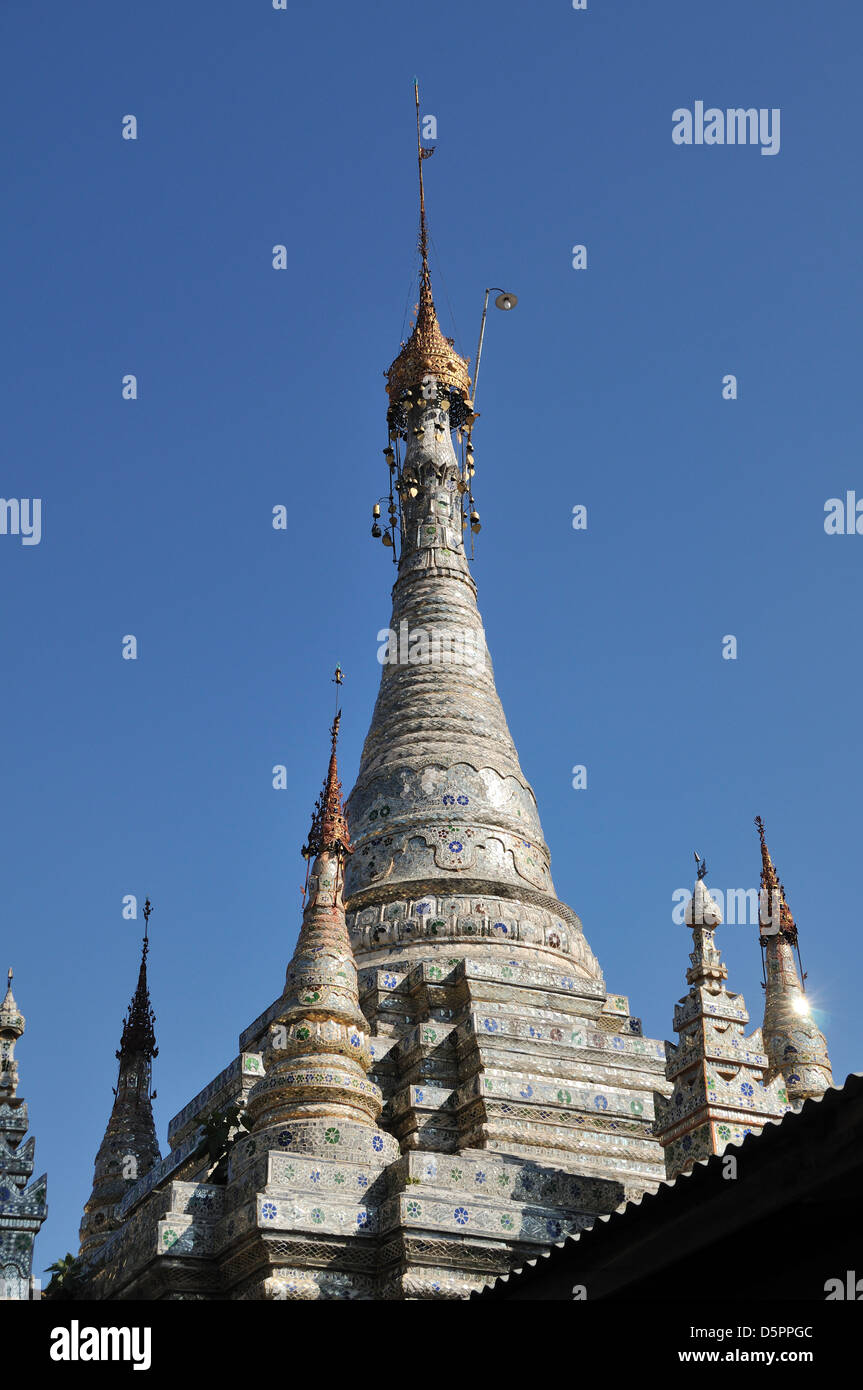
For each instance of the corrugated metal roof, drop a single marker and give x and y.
(651, 1209)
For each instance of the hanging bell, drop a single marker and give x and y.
(474, 522)
(389, 455)
(387, 538)
(376, 531)
(376, 510)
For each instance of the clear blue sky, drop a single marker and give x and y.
(257, 388)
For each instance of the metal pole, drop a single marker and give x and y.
(479, 346)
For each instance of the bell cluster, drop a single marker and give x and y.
(448, 398)
(404, 486)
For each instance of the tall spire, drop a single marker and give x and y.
(320, 1023)
(795, 1046)
(719, 1094)
(22, 1209)
(130, 1147)
(447, 838)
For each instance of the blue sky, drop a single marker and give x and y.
(259, 387)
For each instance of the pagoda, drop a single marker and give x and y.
(445, 1085)
(23, 1208)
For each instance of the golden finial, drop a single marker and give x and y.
(427, 353)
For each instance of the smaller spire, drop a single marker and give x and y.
(773, 891)
(23, 1208)
(11, 1019)
(795, 1046)
(129, 1148)
(139, 1035)
(319, 1054)
(329, 828)
(702, 910)
(12, 1025)
(702, 915)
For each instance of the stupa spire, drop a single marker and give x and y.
(795, 1046)
(320, 1023)
(129, 1148)
(702, 916)
(329, 828)
(447, 838)
(12, 1025)
(139, 1037)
